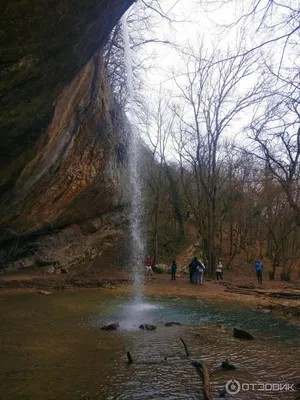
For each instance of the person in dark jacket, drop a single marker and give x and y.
(173, 270)
(259, 268)
(193, 270)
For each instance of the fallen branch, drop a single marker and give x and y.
(130, 359)
(202, 371)
(186, 348)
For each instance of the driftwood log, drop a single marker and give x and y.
(199, 365)
(202, 371)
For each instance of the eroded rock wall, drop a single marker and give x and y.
(80, 160)
(62, 141)
(45, 44)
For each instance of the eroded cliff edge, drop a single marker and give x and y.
(63, 142)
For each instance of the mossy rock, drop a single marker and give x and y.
(161, 269)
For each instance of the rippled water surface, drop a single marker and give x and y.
(161, 369)
(53, 348)
(195, 312)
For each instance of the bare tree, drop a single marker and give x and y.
(275, 131)
(159, 127)
(143, 22)
(270, 21)
(210, 96)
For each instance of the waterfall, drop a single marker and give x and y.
(137, 250)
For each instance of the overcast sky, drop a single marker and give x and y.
(195, 23)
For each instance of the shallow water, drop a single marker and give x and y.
(195, 312)
(54, 349)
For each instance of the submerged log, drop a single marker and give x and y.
(185, 347)
(202, 371)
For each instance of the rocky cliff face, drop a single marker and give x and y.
(62, 140)
(78, 161)
(60, 130)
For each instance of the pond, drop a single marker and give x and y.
(53, 348)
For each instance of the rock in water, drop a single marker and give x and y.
(111, 327)
(225, 365)
(241, 334)
(172, 323)
(147, 327)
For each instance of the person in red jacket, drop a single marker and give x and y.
(149, 266)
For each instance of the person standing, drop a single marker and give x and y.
(200, 272)
(259, 268)
(219, 271)
(173, 270)
(193, 270)
(149, 266)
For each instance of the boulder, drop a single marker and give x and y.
(27, 262)
(20, 264)
(241, 334)
(111, 327)
(50, 270)
(147, 327)
(161, 268)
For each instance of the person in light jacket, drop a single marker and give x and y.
(200, 272)
(219, 271)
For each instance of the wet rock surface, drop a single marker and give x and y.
(241, 334)
(147, 327)
(111, 327)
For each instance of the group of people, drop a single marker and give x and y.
(197, 268)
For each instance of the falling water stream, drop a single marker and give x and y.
(137, 251)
